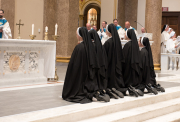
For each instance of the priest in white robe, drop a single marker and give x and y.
(102, 33)
(120, 30)
(5, 31)
(164, 37)
(128, 26)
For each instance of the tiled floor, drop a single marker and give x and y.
(39, 98)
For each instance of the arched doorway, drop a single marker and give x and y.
(95, 10)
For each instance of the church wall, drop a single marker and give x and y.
(172, 4)
(30, 12)
(141, 14)
(107, 10)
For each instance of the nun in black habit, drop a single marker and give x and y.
(115, 58)
(80, 83)
(148, 76)
(101, 60)
(131, 66)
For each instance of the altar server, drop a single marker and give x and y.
(5, 31)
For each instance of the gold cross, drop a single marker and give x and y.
(19, 25)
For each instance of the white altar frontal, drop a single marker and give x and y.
(26, 61)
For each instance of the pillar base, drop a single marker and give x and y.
(62, 59)
(157, 67)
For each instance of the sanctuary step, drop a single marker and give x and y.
(172, 117)
(128, 109)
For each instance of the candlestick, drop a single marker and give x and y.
(32, 36)
(46, 29)
(56, 26)
(32, 29)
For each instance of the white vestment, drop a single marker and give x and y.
(164, 37)
(134, 31)
(6, 34)
(103, 36)
(121, 32)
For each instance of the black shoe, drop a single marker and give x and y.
(103, 93)
(132, 92)
(104, 98)
(151, 89)
(111, 94)
(117, 93)
(140, 93)
(158, 87)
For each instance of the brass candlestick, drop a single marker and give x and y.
(56, 78)
(32, 37)
(46, 36)
(55, 37)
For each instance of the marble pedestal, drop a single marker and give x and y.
(26, 61)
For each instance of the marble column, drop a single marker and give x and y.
(153, 19)
(121, 12)
(49, 17)
(131, 12)
(9, 12)
(127, 11)
(66, 14)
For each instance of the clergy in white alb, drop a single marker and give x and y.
(102, 33)
(120, 30)
(128, 26)
(164, 37)
(5, 31)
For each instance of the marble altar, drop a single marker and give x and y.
(24, 61)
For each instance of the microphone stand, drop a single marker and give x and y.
(141, 25)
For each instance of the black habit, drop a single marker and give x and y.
(115, 58)
(131, 66)
(81, 82)
(101, 60)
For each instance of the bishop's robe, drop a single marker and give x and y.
(6, 34)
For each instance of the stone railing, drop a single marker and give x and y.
(170, 62)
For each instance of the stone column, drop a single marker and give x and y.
(153, 19)
(131, 12)
(67, 18)
(121, 12)
(9, 12)
(127, 11)
(66, 14)
(50, 17)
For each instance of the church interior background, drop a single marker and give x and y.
(69, 14)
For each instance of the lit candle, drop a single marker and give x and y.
(56, 26)
(32, 29)
(46, 28)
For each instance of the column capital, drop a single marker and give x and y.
(81, 17)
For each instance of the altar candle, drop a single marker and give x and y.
(32, 29)
(46, 28)
(56, 26)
